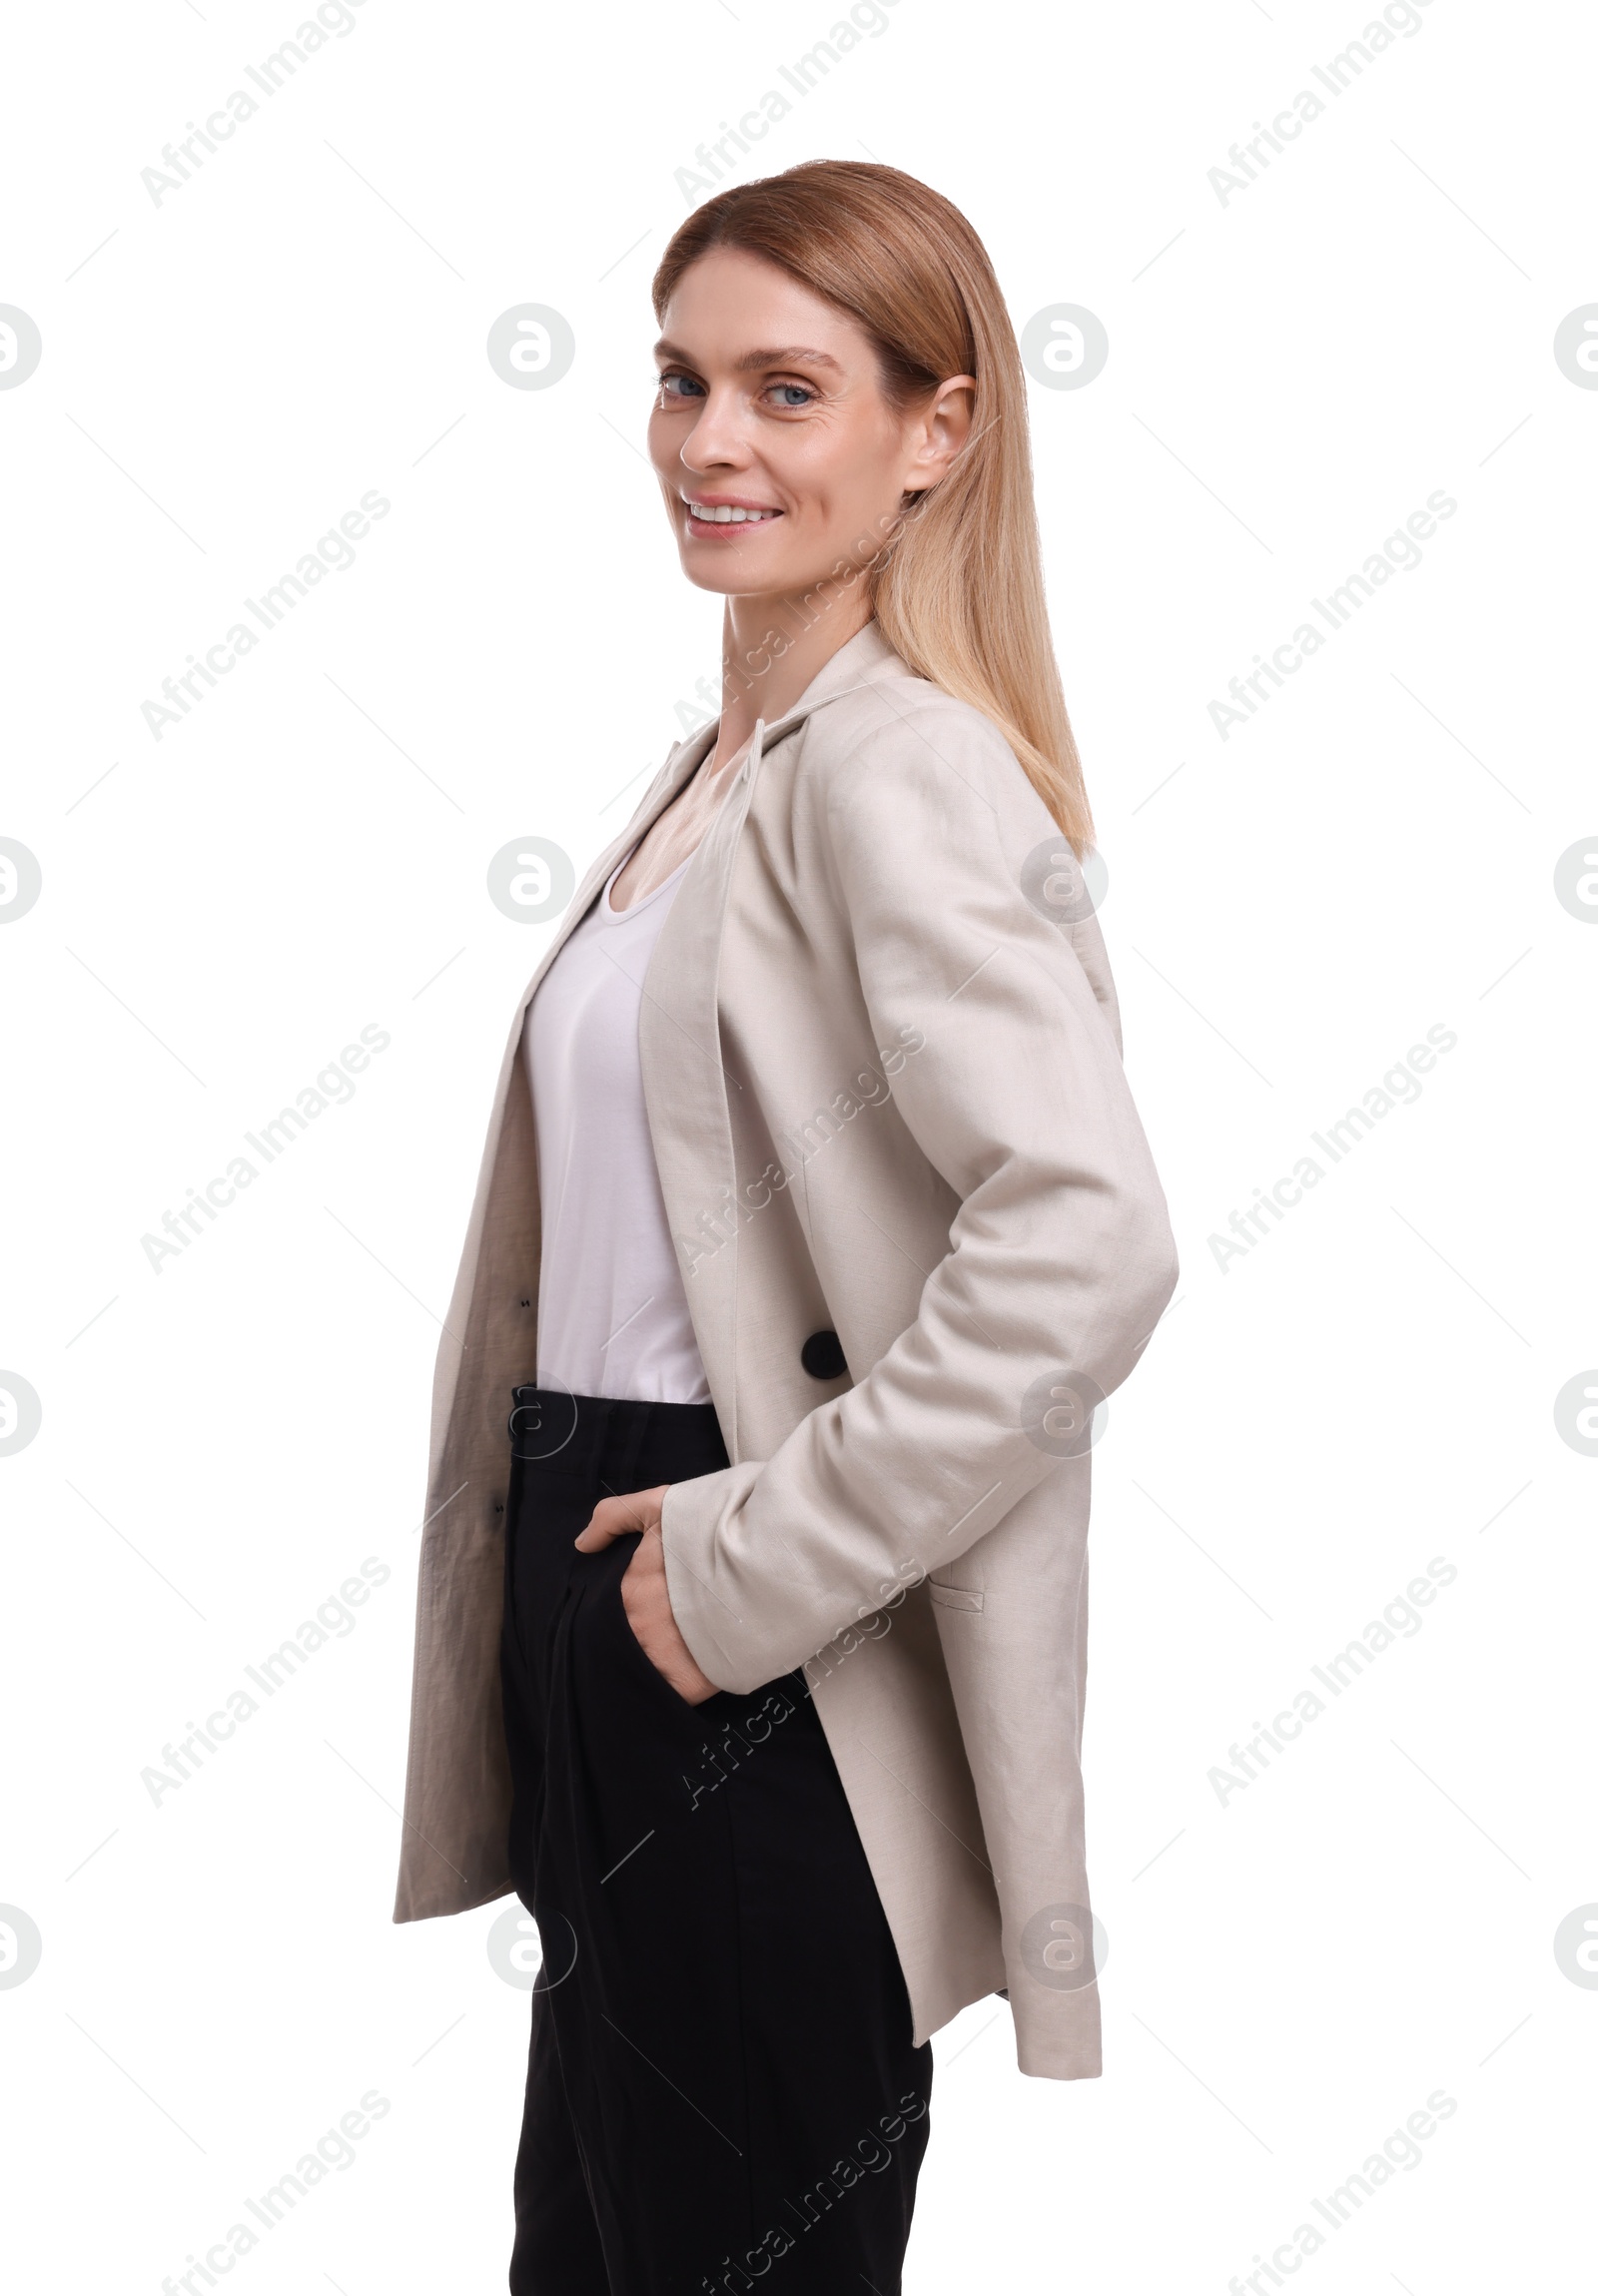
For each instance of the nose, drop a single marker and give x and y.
(716, 441)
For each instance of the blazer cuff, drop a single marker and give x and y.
(736, 1651)
(1057, 2034)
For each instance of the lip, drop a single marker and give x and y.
(727, 531)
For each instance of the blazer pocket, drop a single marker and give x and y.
(956, 1598)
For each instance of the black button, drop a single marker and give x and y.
(822, 1356)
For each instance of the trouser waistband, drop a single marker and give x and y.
(600, 1438)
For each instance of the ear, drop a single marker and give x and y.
(938, 433)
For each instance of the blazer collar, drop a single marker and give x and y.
(866, 660)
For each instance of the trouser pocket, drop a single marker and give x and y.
(620, 1640)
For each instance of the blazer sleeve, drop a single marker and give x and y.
(1060, 1257)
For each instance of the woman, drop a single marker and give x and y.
(814, 1223)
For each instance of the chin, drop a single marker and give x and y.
(725, 580)
(719, 580)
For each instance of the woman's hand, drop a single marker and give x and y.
(644, 1594)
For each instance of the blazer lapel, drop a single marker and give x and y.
(866, 660)
(680, 765)
(685, 1082)
(686, 1088)
(506, 1202)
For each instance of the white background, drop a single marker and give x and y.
(1292, 1971)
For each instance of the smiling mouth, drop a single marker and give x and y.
(727, 515)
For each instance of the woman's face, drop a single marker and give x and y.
(770, 405)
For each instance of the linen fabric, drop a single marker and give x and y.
(881, 1067)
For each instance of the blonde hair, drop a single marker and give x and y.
(958, 592)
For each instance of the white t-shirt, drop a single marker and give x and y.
(612, 1313)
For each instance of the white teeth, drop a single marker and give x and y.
(723, 515)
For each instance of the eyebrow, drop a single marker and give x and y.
(786, 355)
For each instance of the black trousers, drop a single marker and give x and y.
(722, 2093)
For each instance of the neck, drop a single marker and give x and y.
(772, 648)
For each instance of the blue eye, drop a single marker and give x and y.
(676, 385)
(794, 394)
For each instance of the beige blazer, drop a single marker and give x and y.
(881, 1061)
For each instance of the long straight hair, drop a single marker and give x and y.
(959, 592)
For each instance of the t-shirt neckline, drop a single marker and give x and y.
(613, 915)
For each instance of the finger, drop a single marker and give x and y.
(607, 1522)
(613, 1518)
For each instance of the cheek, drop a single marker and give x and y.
(854, 514)
(840, 471)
